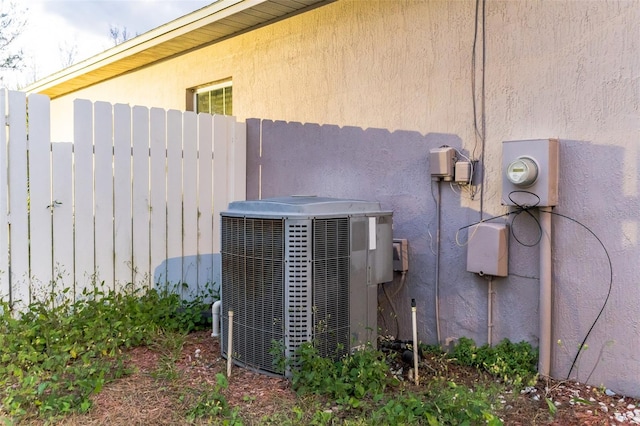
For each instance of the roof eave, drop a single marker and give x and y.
(71, 79)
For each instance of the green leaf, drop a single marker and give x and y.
(552, 407)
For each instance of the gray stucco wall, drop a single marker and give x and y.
(285, 158)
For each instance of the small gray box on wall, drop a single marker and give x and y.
(488, 249)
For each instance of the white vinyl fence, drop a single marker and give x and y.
(134, 200)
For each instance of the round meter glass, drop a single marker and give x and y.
(522, 172)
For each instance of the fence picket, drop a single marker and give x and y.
(189, 203)
(4, 192)
(237, 162)
(18, 196)
(220, 179)
(174, 198)
(40, 201)
(83, 197)
(103, 161)
(62, 184)
(205, 201)
(122, 195)
(158, 196)
(140, 201)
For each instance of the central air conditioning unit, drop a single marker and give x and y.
(300, 269)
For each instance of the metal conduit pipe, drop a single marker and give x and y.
(437, 272)
(490, 312)
(544, 363)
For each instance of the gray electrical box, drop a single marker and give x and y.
(441, 162)
(488, 249)
(530, 171)
(299, 269)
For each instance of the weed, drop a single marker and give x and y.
(551, 406)
(211, 404)
(348, 380)
(513, 363)
(169, 346)
(443, 403)
(60, 352)
(277, 351)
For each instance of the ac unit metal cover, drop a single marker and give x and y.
(297, 269)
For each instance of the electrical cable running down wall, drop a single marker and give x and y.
(480, 130)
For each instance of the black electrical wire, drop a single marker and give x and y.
(606, 299)
(473, 73)
(525, 208)
(479, 129)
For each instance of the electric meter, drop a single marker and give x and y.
(530, 170)
(522, 172)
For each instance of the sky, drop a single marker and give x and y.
(53, 28)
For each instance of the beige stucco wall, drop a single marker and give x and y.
(567, 69)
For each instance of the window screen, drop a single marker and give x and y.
(217, 99)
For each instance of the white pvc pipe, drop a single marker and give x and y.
(544, 363)
(414, 324)
(230, 344)
(215, 318)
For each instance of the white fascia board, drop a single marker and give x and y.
(204, 16)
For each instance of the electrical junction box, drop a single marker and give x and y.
(462, 172)
(530, 167)
(400, 255)
(441, 161)
(488, 249)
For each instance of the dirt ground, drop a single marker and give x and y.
(142, 399)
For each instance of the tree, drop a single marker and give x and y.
(68, 52)
(118, 35)
(11, 25)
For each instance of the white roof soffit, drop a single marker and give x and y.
(218, 21)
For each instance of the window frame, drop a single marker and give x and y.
(210, 88)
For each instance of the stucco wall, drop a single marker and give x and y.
(402, 70)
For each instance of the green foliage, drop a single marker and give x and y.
(513, 363)
(357, 382)
(277, 351)
(443, 403)
(452, 404)
(409, 409)
(212, 405)
(551, 406)
(169, 345)
(348, 380)
(58, 353)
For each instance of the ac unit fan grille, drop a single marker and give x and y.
(287, 280)
(253, 261)
(331, 286)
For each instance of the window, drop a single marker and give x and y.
(215, 99)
